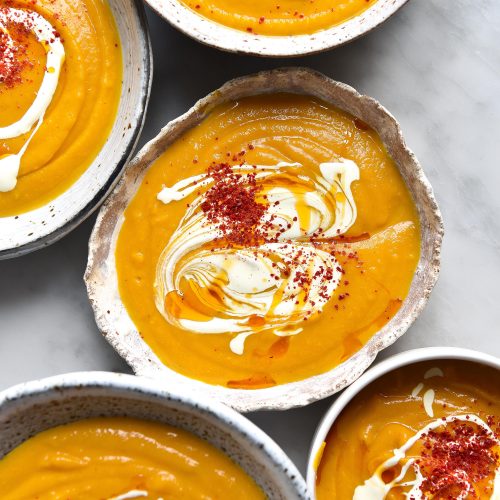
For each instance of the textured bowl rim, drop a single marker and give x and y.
(284, 396)
(390, 364)
(53, 233)
(228, 39)
(228, 418)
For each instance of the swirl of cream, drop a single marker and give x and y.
(45, 35)
(131, 494)
(273, 287)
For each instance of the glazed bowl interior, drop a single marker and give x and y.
(101, 276)
(407, 358)
(28, 409)
(232, 40)
(38, 228)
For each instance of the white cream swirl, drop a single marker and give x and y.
(131, 494)
(274, 286)
(45, 35)
(429, 394)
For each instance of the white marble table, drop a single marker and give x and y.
(436, 66)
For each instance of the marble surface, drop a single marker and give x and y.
(436, 66)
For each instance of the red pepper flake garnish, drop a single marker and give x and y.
(14, 42)
(236, 205)
(456, 459)
(231, 204)
(13, 50)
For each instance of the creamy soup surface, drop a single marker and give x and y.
(268, 243)
(287, 17)
(121, 458)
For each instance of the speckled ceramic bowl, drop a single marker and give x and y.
(393, 363)
(232, 40)
(30, 408)
(101, 277)
(38, 228)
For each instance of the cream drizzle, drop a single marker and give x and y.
(131, 494)
(428, 400)
(417, 390)
(245, 279)
(45, 34)
(429, 395)
(375, 488)
(433, 372)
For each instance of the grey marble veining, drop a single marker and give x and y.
(436, 66)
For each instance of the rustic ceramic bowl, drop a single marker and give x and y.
(101, 277)
(38, 228)
(393, 363)
(30, 408)
(232, 40)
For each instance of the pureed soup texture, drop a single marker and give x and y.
(428, 430)
(118, 459)
(268, 243)
(60, 83)
(285, 17)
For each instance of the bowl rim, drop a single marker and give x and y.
(121, 383)
(282, 396)
(52, 234)
(400, 360)
(222, 37)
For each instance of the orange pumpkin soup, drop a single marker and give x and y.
(268, 243)
(121, 458)
(60, 83)
(429, 430)
(287, 17)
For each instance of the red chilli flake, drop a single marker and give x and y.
(231, 204)
(456, 459)
(13, 50)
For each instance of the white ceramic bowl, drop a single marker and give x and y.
(38, 228)
(232, 40)
(30, 408)
(102, 280)
(393, 363)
